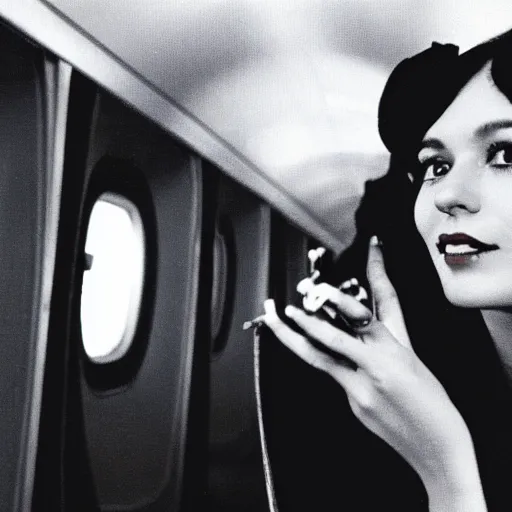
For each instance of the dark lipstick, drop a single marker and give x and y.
(460, 248)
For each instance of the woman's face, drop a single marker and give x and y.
(464, 207)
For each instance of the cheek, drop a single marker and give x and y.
(424, 215)
(500, 204)
(497, 208)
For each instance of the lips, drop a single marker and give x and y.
(462, 245)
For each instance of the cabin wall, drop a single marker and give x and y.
(172, 423)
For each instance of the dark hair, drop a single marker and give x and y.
(422, 87)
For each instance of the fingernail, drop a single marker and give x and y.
(289, 311)
(305, 286)
(358, 324)
(345, 285)
(374, 240)
(254, 323)
(269, 306)
(368, 315)
(310, 304)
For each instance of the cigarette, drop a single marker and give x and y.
(254, 323)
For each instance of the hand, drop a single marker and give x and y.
(389, 389)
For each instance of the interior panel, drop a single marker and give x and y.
(24, 182)
(235, 466)
(136, 433)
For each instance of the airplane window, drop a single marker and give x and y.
(112, 284)
(219, 284)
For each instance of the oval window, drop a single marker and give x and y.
(113, 280)
(220, 269)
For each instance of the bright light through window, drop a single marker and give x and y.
(112, 288)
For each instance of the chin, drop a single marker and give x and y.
(463, 301)
(486, 285)
(477, 298)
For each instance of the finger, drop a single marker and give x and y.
(387, 305)
(347, 305)
(304, 349)
(304, 286)
(328, 335)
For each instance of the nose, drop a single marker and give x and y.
(459, 191)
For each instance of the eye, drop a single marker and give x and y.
(500, 154)
(435, 168)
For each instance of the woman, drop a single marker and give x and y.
(448, 120)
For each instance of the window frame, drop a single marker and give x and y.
(112, 175)
(134, 305)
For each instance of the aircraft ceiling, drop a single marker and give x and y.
(292, 86)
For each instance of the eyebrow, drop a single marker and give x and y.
(431, 143)
(493, 126)
(482, 131)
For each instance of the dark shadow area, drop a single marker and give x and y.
(322, 457)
